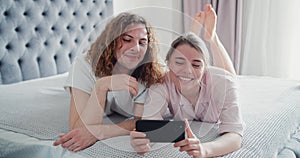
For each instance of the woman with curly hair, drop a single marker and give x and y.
(110, 80)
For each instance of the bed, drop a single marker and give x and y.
(40, 39)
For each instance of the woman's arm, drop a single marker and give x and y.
(226, 143)
(103, 131)
(90, 108)
(86, 113)
(155, 106)
(82, 134)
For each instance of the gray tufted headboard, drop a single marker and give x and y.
(40, 38)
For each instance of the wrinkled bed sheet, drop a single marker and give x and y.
(39, 109)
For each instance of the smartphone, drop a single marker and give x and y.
(166, 131)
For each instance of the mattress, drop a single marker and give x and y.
(33, 113)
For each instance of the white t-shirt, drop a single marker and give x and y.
(82, 77)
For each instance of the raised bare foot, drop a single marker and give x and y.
(210, 22)
(197, 23)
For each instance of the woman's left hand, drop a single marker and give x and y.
(191, 144)
(139, 142)
(77, 139)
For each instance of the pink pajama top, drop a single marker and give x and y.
(217, 102)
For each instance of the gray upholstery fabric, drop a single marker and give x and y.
(40, 38)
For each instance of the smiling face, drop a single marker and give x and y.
(133, 47)
(186, 66)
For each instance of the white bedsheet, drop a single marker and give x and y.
(39, 108)
(38, 111)
(14, 145)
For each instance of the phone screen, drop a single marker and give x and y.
(162, 130)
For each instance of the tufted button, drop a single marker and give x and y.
(25, 13)
(6, 13)
(76, 40)
(27, 45)
(100, 13)
(68, 27)
(59, 13)
(82, 27)
(88, 13)
(55, 57)
(52, 28)
(19, 61)
(61, 42)
(46, 43)
(74, 13)
(17, 29)
(44, 13)
(70, 55)
(38, 59)
(8, 47)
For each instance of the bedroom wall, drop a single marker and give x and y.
(165, 16)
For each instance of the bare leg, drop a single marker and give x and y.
(220, 56)
(210, 22)
(198, 22)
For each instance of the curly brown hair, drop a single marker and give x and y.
(101, 53)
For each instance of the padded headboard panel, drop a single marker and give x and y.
(40, 38)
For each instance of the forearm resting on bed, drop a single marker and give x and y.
(86, 108)
(88, 112)
(224, 144)
(104, 131)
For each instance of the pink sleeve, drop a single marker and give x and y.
(230, 117)
(156, 102)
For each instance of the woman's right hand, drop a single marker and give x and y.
(77, 139)
(139, 142)
(191, 144)
(118, 82)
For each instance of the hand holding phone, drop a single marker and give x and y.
(162, 130)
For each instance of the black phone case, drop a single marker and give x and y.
(162, 130)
